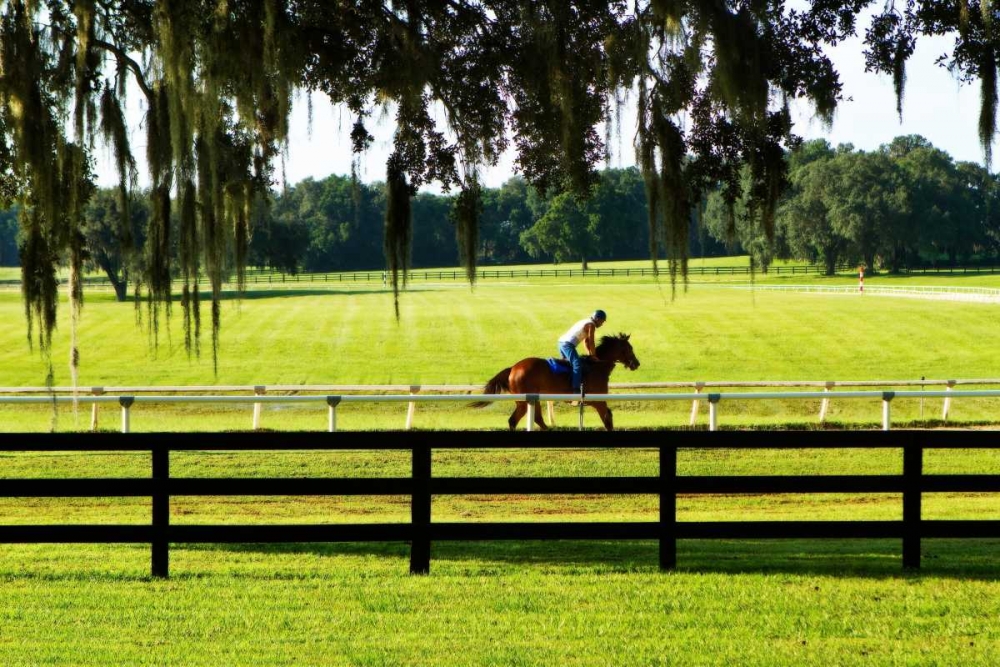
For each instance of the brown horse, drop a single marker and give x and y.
(534, 376)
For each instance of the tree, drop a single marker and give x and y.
(110, 243)
(280, 241)
(804, 215)
(217, 87)
(979, 208)
(739, 226)
(8, 237)
(567, 232)
(619, 202)
(505, 217)
(868, 206)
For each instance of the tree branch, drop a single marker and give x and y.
(130, 63)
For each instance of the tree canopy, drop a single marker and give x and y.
(712, 80)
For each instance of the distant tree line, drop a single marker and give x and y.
(335, 224)
(905, 204)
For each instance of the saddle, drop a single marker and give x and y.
(562, 367)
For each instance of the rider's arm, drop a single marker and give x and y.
(590, 329)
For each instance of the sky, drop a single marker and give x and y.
(936, 106)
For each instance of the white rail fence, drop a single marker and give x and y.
(414, 389)
(332, 401)
(941, 292)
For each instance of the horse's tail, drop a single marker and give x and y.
(499, 384)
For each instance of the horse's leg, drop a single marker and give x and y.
(520, 407)
(605, 412)
(538, 416)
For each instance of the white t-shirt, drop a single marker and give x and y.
(576, 332)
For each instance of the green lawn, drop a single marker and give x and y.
(521, 603)
(454, 334)
(518, 603)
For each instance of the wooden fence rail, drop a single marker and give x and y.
(422, 486)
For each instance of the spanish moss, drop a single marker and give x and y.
(397, 228)
(465, 215)
(988, 104)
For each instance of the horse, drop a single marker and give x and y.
(536, 376)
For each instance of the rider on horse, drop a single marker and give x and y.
(581, 331)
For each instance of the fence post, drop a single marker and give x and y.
(887, 397)
(258, 390)
(161, 511)
(947, 401)
(713, 411)
(412, 407)
(825, 404)
(420, 511)
(913, 468)
(698, 386)
(94, 391)
(532, 400)
(668, 507)
(332, 402)
(126, 403)
(922, 378)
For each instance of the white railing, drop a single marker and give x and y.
(533, 400)
(415, 389)
(949, 293)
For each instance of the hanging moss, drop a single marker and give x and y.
(988, 103)
(465, 213)
(189, 254)
(397, 227)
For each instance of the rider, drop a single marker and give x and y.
(581, 331)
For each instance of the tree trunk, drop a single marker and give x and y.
(121, 289)
(583, 262)
(830, 260)
(120, 285)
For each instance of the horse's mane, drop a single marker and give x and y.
(611, 341)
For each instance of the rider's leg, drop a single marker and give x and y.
(568, 351)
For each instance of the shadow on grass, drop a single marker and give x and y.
(876, 559)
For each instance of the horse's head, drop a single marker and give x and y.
(618, 349)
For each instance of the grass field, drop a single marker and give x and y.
(449, 333)
(519, 603)
(792, 602)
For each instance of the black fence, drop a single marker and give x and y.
(421, 486)
(418, 275)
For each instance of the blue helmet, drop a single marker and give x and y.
(599, 315)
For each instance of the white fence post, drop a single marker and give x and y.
(258, 390)
(698, 386)
(331, 402)
(947, 401)
(825, 404)
(126, 403)
(713, 412)
(412, 407)
(887, 397)
(95, 391)
(532, 401)
(552, 413)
